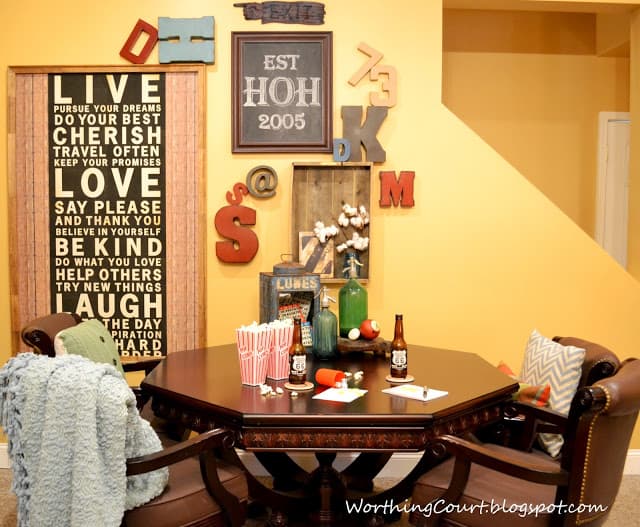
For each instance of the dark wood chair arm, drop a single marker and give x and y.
(145, 364)
(466, 452)
(548, 428)
(235, 510)
(499, 458)
(524, 421)
(213, 439)
(205, 446)
(539, 413)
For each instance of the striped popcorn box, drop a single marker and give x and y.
(254, 343)
(279, 354)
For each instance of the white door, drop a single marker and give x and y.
(613, 184)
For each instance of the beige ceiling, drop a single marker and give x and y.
(529, 5)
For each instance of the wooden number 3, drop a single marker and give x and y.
(388, 86)
(370, 66)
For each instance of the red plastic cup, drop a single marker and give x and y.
(329, 377)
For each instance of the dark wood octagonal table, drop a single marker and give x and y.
(201, 389)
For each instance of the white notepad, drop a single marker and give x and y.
(341, 395)
(413, 391)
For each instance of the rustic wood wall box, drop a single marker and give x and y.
(319, 192)
(107, 200)
(281, 91)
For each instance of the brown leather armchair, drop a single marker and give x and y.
(40, 333)
(580, 487)
(520, 428)
(202, 490)
(599, 362)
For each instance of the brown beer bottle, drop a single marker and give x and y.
(297, 356)
(399, 353)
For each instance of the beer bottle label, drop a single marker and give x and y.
(299, 363)
(399, 358)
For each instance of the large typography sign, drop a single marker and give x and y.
(107, 201)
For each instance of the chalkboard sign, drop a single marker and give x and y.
(281, 91)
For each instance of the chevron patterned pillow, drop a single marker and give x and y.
(545, 362)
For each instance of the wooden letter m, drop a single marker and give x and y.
(399, 190)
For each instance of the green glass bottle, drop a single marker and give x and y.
(352, 302)
(325, 330)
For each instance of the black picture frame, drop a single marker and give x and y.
(282, 91)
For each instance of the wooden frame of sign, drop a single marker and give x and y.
(281, 91)
(107, 200)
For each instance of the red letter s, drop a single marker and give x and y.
(242, 245)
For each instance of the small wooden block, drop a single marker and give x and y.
(378, 346)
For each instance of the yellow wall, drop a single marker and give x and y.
(612, 37)
(534, 95)
(483, 257)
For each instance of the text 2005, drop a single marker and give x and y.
(285, 121)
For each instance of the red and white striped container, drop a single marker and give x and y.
(279, 354)
(254, 344)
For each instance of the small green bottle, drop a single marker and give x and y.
(325, 330)
(352, 302)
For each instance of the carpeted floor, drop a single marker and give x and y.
(7, 500)
(625, 512)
